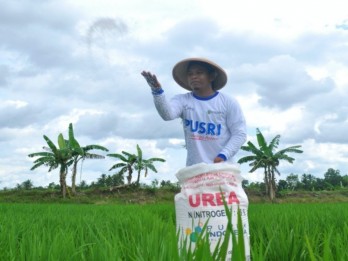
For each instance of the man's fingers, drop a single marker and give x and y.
(143, 73)
(151, 79)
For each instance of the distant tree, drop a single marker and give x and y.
(28, 184)
(60, 156)
(308, 182)
(144, 164)
(321, 184)
(293, 181)
(102, 181)
(166, 183)
(110, 180)
(245, 183)
(154, 183)
(80, 154)
(83, 185)
(53, 186)
(333, 177)
(282, 185)
(265, 158)
(117, 179)
(345, 180)
(257, 186)
(134, 162)
(126, 165)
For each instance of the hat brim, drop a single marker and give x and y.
(180, 73)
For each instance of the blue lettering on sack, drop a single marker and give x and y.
(206, 128)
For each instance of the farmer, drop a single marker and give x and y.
(213, 122)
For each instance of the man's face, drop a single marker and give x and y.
(199, 78)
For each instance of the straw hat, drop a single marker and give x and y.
(180, 73)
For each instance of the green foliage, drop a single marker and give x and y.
(56, 157)
(333, 177)
(133, 162)
(80, 153)
(68, 153)
(109, 180)
(298, 231)
(125, 166)
(26, 185)
(267, 158)
(147, 232)
(332, 181)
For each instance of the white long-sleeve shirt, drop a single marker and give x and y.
(212, 126)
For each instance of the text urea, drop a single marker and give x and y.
(207, 128)
(212, 199)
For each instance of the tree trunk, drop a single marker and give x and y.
(266, 181)
(272, 186)
(138, 178)
(73, 179)
(62, 181)
(271, 193)
(130, 172)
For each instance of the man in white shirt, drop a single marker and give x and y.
(214, 124)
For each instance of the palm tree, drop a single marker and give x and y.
(81, 153)
(264, 157)
(144, 164)
(57, 157)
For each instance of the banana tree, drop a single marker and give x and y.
(80, 154)
(60, 156)
(144, 164)
(133, 162)
(264, 157)
(125, 166)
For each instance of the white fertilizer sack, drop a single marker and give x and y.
(201, 199)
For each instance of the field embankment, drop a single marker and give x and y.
(158, 195)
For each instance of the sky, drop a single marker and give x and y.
(78, 61)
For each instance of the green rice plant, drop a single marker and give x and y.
(238, 244)
(86, 232)
(147, 232)
(298, 231)
(199, 251)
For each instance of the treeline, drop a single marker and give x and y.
(103, 182)
(332, 180)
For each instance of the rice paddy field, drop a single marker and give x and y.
(147, 232)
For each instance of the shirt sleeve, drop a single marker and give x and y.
(237, 127)
(168, 110)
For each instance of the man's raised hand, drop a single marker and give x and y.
(151, 80)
